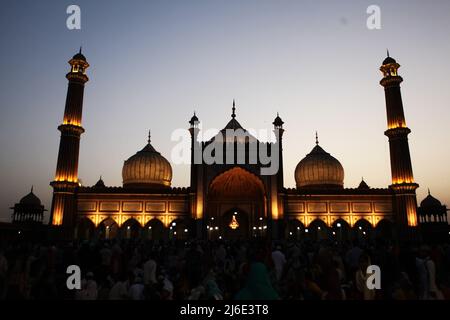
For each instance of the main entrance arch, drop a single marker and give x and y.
(235, 193)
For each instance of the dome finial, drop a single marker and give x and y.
(149, 137)
(387, 51)
(81, 47)
(32, 188)
(233, 114)
(317, 139)
(428, 191)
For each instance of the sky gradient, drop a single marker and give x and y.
(154, 62)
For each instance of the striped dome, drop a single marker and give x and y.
(147, 168)
(319, 170)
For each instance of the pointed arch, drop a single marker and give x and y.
(131, 229)
(154, 229)
(84, 229)
(108, 228)
(362, 230)
(295, 230)
(318, 230)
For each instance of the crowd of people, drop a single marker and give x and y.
(224, 270)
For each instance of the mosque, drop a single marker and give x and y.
(234, 200)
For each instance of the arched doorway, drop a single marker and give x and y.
(108, 229)
(362, 230)
(295, 230)
(85, 229)
(341, 230)
(384, 230)
(154, 230)
(131, 229)
(317, 230)
(239, 193)
(179, 230)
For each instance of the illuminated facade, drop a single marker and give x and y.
(230, 201)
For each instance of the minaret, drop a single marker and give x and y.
(193, 129)
(401, 169)
(278, 130)
(197, 190)
(66, 177)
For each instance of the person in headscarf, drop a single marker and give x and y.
(258, 286)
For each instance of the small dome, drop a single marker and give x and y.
(31, 199)
(100, 183)
(363, 185)
(430, 202)
(147, 168)
(79, 56)
(193, 120)
(389, 60)
(319, 170)
(278, 122)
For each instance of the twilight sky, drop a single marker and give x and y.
(154, 62)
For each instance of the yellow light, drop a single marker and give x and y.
(400, 124)
(234, 224)
(411, 213)
(63, 178)
(57, 214)
(199, 213)
(402, 180)
(72, 122)
(275, 210)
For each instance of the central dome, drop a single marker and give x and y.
(147, 168)
(319, 170)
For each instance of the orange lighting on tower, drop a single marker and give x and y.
(66, 176)
(401, 168)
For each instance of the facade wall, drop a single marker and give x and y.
(329, 208)
(141, 207)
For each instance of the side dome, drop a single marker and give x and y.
(319, 170)
(30, 199)
(147, 169)
(430, 202)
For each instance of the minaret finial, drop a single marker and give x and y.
(317, 139)
(149, 137)
(32, 188)
(233, 114)
(428, 191)
(101, 177)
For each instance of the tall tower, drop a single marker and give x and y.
(401, 169)
(278, 130)
(66, 177)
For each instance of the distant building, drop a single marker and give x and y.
(27, 220)
(29, 210)
(433, 219)
(230, 201)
